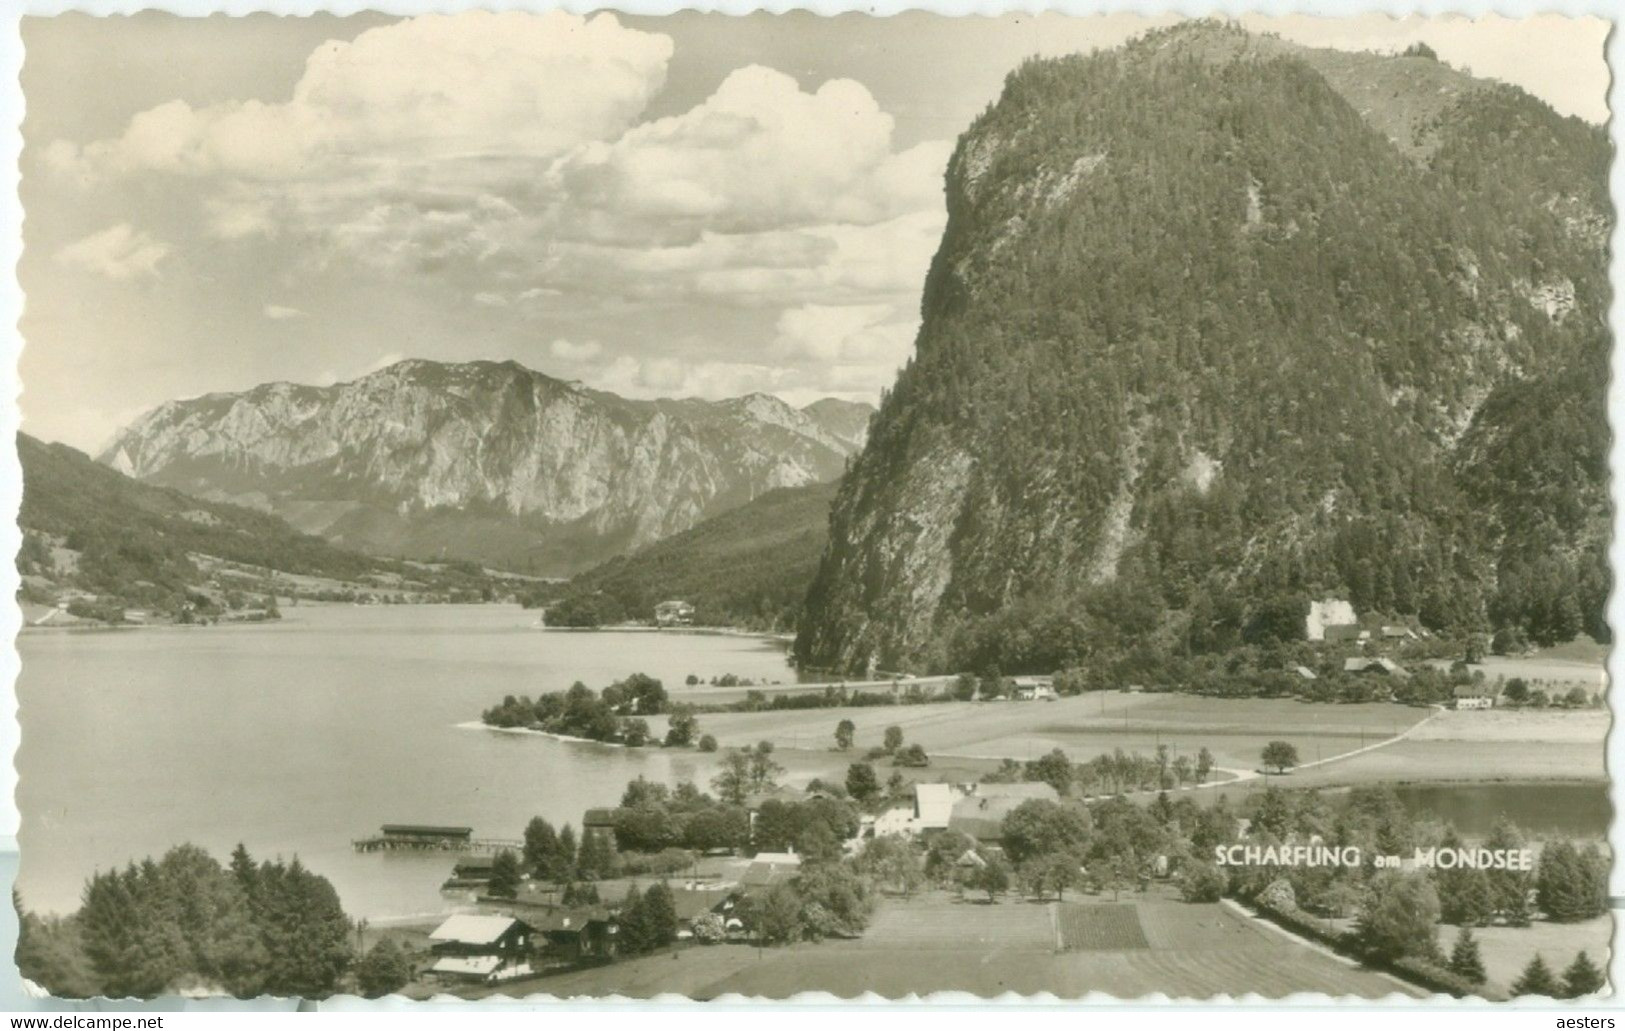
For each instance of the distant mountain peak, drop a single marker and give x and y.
(481, 459)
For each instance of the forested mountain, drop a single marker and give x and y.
(93, 534)
(483, 460)
(1219, 323)
(748, 567)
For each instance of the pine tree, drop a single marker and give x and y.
(1556, 881)
(1509, 889)
(504, 875)
(633, 928)
(1582, 978)
(383, 970)
(567, 852)
(1570, 885)
(541, 847)
(595, 858)
(1465, 961)
(1594, 869)
(304, 930)
(1536, 979)
(659, 916)
(243, 870)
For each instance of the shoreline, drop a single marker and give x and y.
(527, 731)
(696, 631)
(68, 628)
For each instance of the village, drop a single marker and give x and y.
(862, 869)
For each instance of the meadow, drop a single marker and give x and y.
(938, 943)
(1492, 745)
(1234, 730)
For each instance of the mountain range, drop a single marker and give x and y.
(486, 461)
(102, 543)
(1218, 324)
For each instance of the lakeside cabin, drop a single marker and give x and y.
(481, 949)
(471, 872)
(599, 824)
(674, 613)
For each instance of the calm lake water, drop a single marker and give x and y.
(300, 736)
(1542, 810)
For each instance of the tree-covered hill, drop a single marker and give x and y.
(1219, 322)
(90, 530)
(748, 567)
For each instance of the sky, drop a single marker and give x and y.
(687, 205)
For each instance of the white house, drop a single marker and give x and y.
(1476, 696)
(933, 807)
(899, 819)
(1034, 689)
(470, 947)
(674, 613)
(1325, 613)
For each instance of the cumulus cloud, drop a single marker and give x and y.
(232, 218)
(570, 351)
(758, 153)
(846, 350)
(282, 313)
(506, 158)
(118, 252)
(497, 149)
(437, 86)
(844, 334)
(671, 377)
(846, 264)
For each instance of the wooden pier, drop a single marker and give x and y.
(412, 837)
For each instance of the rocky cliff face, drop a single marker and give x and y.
(1217, 318)
(486, 461)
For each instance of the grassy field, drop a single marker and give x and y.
(1494, 745)
(1234, 730)
(1546, 674)
(1507, 950)
(938, 943)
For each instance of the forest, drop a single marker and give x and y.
(136, 544)
(184, 922)
(1201, 336)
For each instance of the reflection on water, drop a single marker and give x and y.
(1542, 810)
(301, 736)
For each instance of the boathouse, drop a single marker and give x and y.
(599, 823)
(427, 834)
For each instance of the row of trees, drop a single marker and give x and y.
(185, 922)
(1110, 773)
(1582, 977)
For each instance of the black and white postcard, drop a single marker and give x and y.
(585, 505)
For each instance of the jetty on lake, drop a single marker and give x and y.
(419, 837)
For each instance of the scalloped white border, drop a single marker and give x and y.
(16, 996)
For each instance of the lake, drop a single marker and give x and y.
(300, 736)
(1541, 810)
